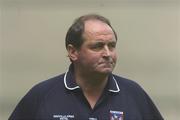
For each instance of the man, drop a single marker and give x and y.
(88, 90)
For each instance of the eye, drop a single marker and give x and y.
(97, 46)
(112, 45)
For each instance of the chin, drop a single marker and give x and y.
(106, 71)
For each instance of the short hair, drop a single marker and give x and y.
(75, 32)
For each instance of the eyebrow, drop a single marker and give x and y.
(101, 43)
(110, 40)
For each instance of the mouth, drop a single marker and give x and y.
(107, 64)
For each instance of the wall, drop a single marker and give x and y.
(32, 45)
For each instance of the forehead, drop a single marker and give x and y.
(96, 26)
(95, 29)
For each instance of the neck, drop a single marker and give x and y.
(91, 82)
(92, 85)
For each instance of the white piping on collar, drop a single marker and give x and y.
(116, 86)
(73, 88)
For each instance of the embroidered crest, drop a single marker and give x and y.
(116, 115)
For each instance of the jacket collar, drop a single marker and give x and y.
(70, 82)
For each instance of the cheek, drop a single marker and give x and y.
(89, 57)
(114, 56)
(93, 58)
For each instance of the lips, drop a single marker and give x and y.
(107, 63)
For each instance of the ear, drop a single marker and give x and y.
(72, 52)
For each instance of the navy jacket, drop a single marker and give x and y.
(60, 98)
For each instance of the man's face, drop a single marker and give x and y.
(97, 53)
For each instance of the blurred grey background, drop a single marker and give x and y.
(32, 45)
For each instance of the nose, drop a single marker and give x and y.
(106, 52)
